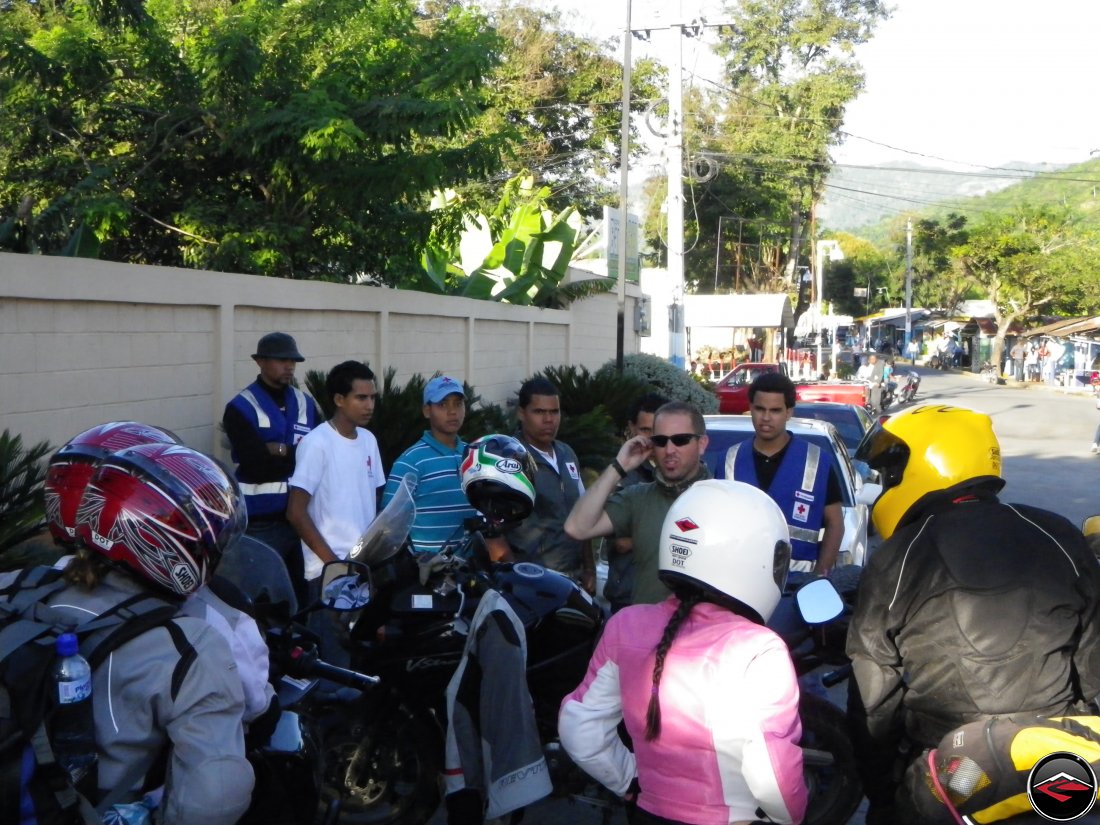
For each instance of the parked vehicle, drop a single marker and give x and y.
(852, 421)
(840, 392)
(733, 389)
(857, 495)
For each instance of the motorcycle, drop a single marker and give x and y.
(909, 389)
(384, 763)
(288, 766)
(888, 390)
(806, 619)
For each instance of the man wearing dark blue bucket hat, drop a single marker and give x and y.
(264, 423)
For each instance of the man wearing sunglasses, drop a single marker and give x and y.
(638, 512)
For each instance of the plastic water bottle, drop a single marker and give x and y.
(72, 733)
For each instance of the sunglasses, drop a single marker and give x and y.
(680, 439)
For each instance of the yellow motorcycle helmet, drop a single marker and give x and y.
(923, 449)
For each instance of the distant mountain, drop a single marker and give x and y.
(857, 196)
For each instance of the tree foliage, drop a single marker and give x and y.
(298, 139)
(789, 75)
(559, 92)
(519, 253)
(22, 473)
(863, 267)
(1025, 262)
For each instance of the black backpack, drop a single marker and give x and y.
(28, 632)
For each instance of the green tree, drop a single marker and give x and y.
(300, 139)
(1024, 262)
(937, 282)
(789, 75)
(559, 92)
(863, 267)
(518, 254)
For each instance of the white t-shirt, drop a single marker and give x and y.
(341, 475)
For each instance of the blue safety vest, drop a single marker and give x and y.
(799, 488)
(271, 424)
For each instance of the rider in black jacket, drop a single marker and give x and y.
(971, 608)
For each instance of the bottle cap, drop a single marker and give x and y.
(67, 644)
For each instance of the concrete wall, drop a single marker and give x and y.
(82, 342)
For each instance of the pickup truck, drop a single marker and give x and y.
(733, 389)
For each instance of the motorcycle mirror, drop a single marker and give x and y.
(345, 585)
(864, 471)
(819, 602)
(868, 494)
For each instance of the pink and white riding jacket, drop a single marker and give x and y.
(729, 717)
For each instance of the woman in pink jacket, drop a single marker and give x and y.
(708, 694)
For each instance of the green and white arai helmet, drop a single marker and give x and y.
(498, 478)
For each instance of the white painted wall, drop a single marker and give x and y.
(82, 341)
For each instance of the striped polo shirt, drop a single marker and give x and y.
(441, 506)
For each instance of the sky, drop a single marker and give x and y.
(957, 83)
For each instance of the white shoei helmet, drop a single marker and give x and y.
(729, 539)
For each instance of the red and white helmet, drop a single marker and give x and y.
(164, 512)
(72, 466)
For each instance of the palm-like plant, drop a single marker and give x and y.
(22, 472)
(519, 254)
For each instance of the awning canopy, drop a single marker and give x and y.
(894, 317)
(738, 311)
(1067, 326)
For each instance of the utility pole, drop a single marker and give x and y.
(624, 164)
(677, 339)
(908, 282)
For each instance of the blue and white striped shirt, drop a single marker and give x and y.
(441, 506)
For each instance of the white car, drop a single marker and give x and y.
(857, 495)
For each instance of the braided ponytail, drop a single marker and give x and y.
(688, 600)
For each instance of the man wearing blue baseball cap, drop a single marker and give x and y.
(441, 506)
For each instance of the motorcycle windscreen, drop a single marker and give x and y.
(388, 532)
(259, 573)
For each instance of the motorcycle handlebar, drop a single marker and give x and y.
(306, 663)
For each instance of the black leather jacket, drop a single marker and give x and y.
(973, 608)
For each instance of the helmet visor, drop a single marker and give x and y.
(782, 564)
(885, 452)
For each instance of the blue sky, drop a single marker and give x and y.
(975, 81)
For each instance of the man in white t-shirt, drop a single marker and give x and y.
(337, 473)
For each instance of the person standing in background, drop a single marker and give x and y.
(541, 537)
(619, 586)
(434, 461)
(333, 491)
(264, 423)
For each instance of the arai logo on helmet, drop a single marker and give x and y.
(509, 465)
